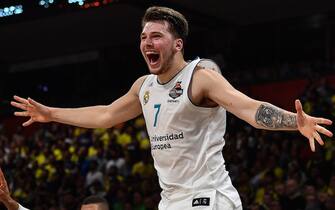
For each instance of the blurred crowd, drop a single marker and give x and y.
(277, 170)
(60, 165)
(57, 166)
(273, 73)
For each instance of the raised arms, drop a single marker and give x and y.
(123, 109)
(259, 114)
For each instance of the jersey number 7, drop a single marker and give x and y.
(158, 107)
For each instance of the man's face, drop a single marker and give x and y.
(158, 46)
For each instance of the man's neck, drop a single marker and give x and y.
(173, 70)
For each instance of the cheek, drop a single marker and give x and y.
(159, 44)
(142, 48)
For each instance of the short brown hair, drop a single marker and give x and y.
(178, 24)
(95, 199)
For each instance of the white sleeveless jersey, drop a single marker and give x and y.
(186, 140)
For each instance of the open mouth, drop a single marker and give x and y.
(153, 58)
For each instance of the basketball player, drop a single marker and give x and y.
(5, 197)
(92, 202)
(184, 105)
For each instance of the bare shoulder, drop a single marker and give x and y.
(209, 80)
(203, 74)
(201, 83)
(208, 64)
(140, 80)
(138, 84)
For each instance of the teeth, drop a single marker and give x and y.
(151, 52)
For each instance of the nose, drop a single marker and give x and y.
(147, 42)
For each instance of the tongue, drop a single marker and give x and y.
(153, 58)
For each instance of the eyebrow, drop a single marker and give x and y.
(155, 32)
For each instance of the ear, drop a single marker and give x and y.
(179, 44)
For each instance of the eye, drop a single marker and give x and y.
(142, 37)
(156, 36)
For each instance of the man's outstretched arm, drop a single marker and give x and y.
(125, 108)
(260, 114)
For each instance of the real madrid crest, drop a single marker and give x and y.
(146, 97)
(176, 91)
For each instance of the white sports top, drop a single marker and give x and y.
(186, 140)
(22, 208)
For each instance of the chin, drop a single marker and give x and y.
(156, 71)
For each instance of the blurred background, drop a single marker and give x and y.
(71, 53)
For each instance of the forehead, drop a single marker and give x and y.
(155, 26)
(90, 207)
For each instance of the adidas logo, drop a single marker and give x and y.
(200, 202)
